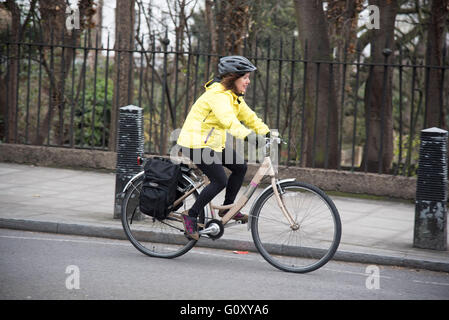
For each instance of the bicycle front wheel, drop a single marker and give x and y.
(306, 245)
(162, 239)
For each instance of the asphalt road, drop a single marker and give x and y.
(50, 266)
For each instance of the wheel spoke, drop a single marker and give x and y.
(309, 246)
(151, 236)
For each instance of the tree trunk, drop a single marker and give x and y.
(53, 31)
(434, 57)
(378, 154)
(321, 140)
(95, 35)
(5, 26)
(123, 78)
(342, 16)
(211, 25)
(9, 111)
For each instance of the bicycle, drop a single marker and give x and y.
(295, 226)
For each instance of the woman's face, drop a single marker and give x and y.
(242, 83)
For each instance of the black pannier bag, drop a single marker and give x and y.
(159, 187)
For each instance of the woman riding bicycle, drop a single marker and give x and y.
(203, 136)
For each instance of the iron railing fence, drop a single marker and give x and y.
(57, 94)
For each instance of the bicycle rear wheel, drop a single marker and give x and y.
(304, 247)
(162, 239)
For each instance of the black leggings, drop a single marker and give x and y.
(211, 163)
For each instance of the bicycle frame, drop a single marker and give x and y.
(266, 168)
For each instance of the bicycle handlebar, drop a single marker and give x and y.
(269, 141)
(275, 138)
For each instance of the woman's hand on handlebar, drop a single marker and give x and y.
(255, 139)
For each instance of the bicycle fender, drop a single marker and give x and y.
(267, 189)
(134, 178)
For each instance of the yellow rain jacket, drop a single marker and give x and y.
(216, 111)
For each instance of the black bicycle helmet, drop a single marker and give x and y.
(234, 64)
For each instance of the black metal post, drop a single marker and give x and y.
(72, 96)
(267, 82)
(28, 96)
(356, 98)
(315, 118)
(303, 105)
(342, 104)
(130, 144)
(254, 80)
(52, 84)
(84, 71)
(62, 88)
(165, 42)
(400, 112)
(386, 52)
(94, 105)
(430, 230)
(103, 144)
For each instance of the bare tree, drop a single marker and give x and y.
(123, 78)
(228, 25)
(342, 16)
(321, 114)
(5, 26)
(435, 38)
(179, 13)
(53, 23)
(95, 35)
(211, 25)
(16, 32)
(378, 153)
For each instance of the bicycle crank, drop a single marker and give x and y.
(214, 229)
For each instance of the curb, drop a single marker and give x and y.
(224, 244)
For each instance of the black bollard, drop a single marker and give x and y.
(430, 230)
(130, 144)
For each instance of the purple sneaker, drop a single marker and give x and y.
(190, 226)
(238, 217)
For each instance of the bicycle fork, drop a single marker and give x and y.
(288, 216)
(267, 169)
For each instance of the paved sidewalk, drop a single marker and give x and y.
(81, 203)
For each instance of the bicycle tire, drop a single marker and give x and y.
(144, 237)
(267, 225)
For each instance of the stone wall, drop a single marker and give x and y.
(329, 180)
(58, 157)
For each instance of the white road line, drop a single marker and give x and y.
(198, 251)
(116, 243)
(431, 282)
(65, 240)
(386, 277)
(355, 273)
